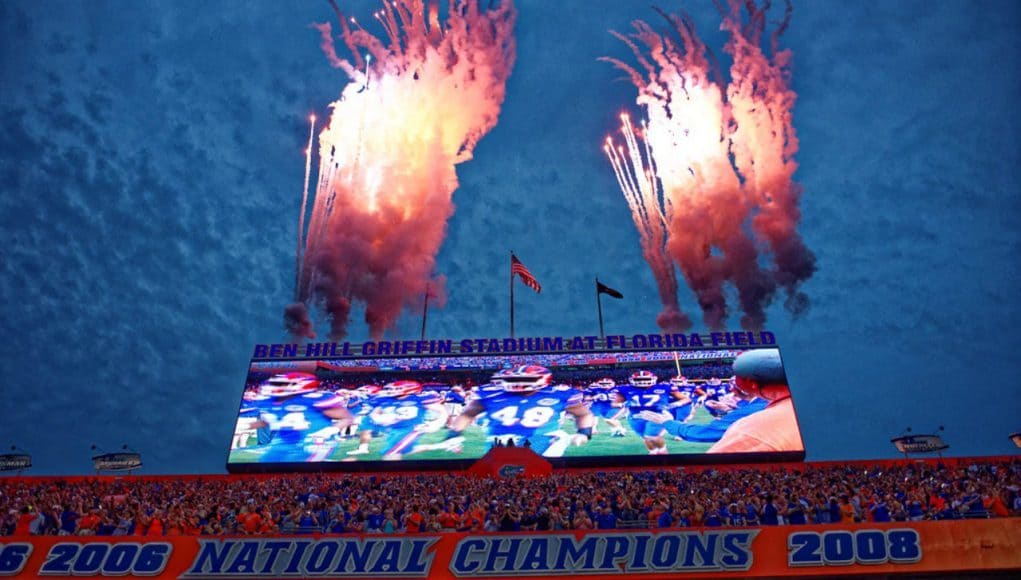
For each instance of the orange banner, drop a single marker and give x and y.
(919, 547)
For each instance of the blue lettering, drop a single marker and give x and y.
(465, 549)
(837, 548)
(58, 561)
(638, 559)
(537, 556)
(294, 566)
(419, 561)
(314, 349)
(665, 551)
(260, 351)
(508, 556)
(383, 347)
(152, 559)
(737, 550)
(577, 343)
(13, 558)
(767, 337)
(368, 348)
(553, 344)
(904, 547)
(695, 340)
(639, 341)
(353, 560)
(871, 546)
(803, 549)
(118, 563)
(444, 346)
(510, 345)
(272, 549)
(568, 549)
(616, 547)
(655, 341)
(291, 350)
(317, 561)
(702, 546)
(244, 560)
(466, 345)
(493, 345)
(89, 559)
(389, 557)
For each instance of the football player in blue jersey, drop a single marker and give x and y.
(601, 403)
(683, 408)
(403, 412)
(643, 394)
(523, 405)
(716, 400)
(296, 423)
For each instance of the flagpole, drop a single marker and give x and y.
(512, 294)
(599, 303)
(425, 309)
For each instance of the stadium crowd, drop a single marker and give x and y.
(390, 504)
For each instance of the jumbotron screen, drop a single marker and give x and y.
(576, 409)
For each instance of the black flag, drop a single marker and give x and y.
(604, 289)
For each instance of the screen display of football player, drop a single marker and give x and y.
(292, 420)
(402, 411)
(523, 406)
(644, 393)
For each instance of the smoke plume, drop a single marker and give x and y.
(420, 97)
(715, 161)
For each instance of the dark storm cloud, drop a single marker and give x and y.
(151, 164)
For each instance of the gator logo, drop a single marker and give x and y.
(508, 471)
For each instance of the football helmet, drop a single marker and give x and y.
(679, 381)
(400, 389)
(289, 385)
(523, 379)
(604, 383)
(643, 379)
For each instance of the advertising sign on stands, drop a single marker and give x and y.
(919, 444)
(15, 461)
(118, 461)
(833, 550)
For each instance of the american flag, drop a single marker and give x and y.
(529, 280)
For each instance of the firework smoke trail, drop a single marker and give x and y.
(765, 143)
(419, 99)
(304, 203)
(637, 180)
(692, 134)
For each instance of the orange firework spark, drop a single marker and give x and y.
(417, 103)
(719, 159)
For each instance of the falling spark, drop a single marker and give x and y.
(720, 161)
(304, 203)
(419, 99)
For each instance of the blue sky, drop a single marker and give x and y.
(151, 165)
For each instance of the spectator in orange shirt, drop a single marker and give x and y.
(760, 374)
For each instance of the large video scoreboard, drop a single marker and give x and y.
(577, 408)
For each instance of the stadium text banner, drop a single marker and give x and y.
(742, 339)
(971, 545)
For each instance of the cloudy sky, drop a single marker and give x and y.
(150, 175)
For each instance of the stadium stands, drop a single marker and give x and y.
(409, 503)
